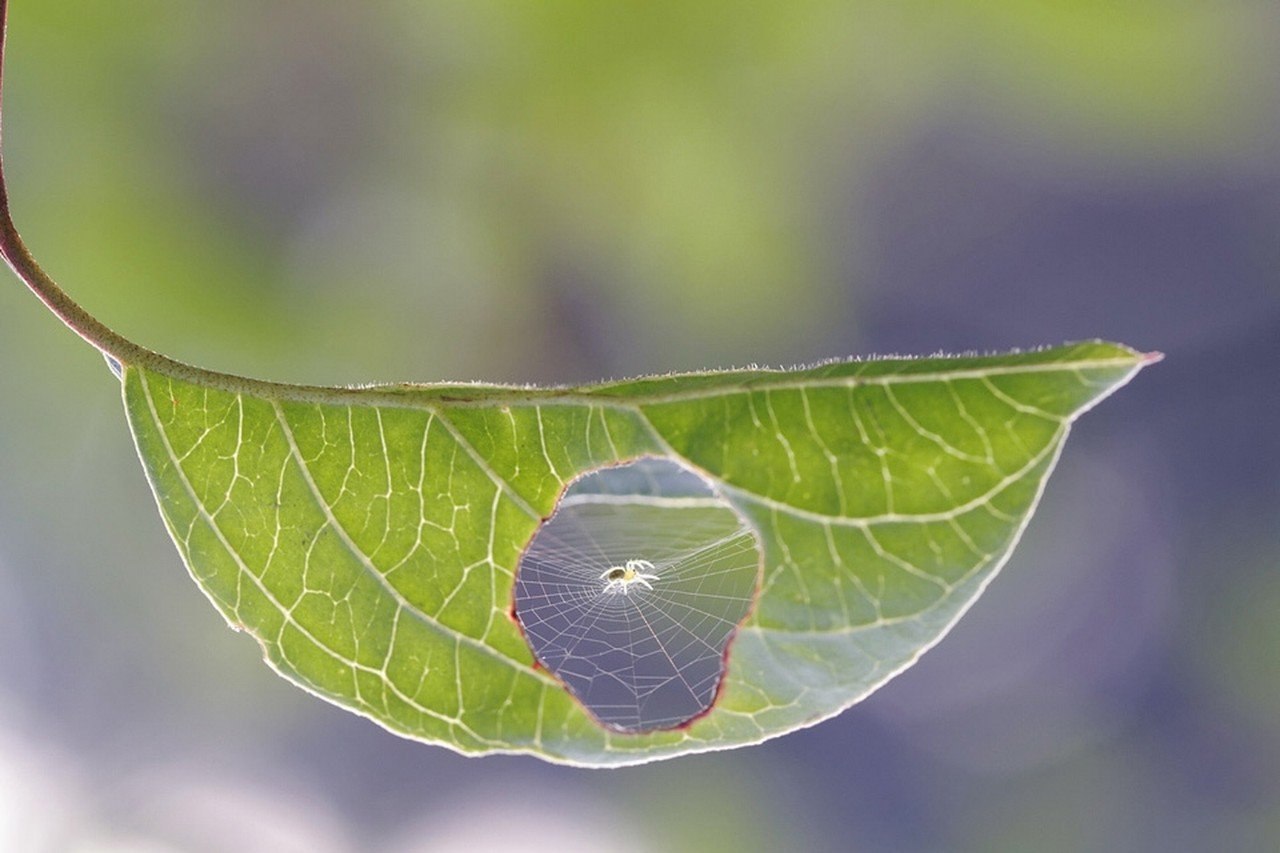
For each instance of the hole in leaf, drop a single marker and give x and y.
(632, 591)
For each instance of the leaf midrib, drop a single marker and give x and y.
(413, 396)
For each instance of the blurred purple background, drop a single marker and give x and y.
(331, 192)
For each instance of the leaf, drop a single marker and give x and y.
(812, 533)
(369, 539)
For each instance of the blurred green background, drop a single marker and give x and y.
(562, 191)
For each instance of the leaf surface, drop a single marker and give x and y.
(369, 539)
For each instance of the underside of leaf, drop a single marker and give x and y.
(370, 539)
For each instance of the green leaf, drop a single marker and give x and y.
(369, 539)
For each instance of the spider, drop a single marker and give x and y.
(620, 578)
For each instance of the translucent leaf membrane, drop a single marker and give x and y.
(370, 539)
(632, 592)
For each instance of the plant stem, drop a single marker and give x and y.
(112, 344)
(24, 265)
(115, 346)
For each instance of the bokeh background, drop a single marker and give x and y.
(560, 191)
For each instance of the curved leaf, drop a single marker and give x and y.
(369, 539)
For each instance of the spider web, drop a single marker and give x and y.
(637, 658)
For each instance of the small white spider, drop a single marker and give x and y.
(620, 578)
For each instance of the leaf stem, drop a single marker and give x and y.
(112, 344)
(45, 288)
(115, 346)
